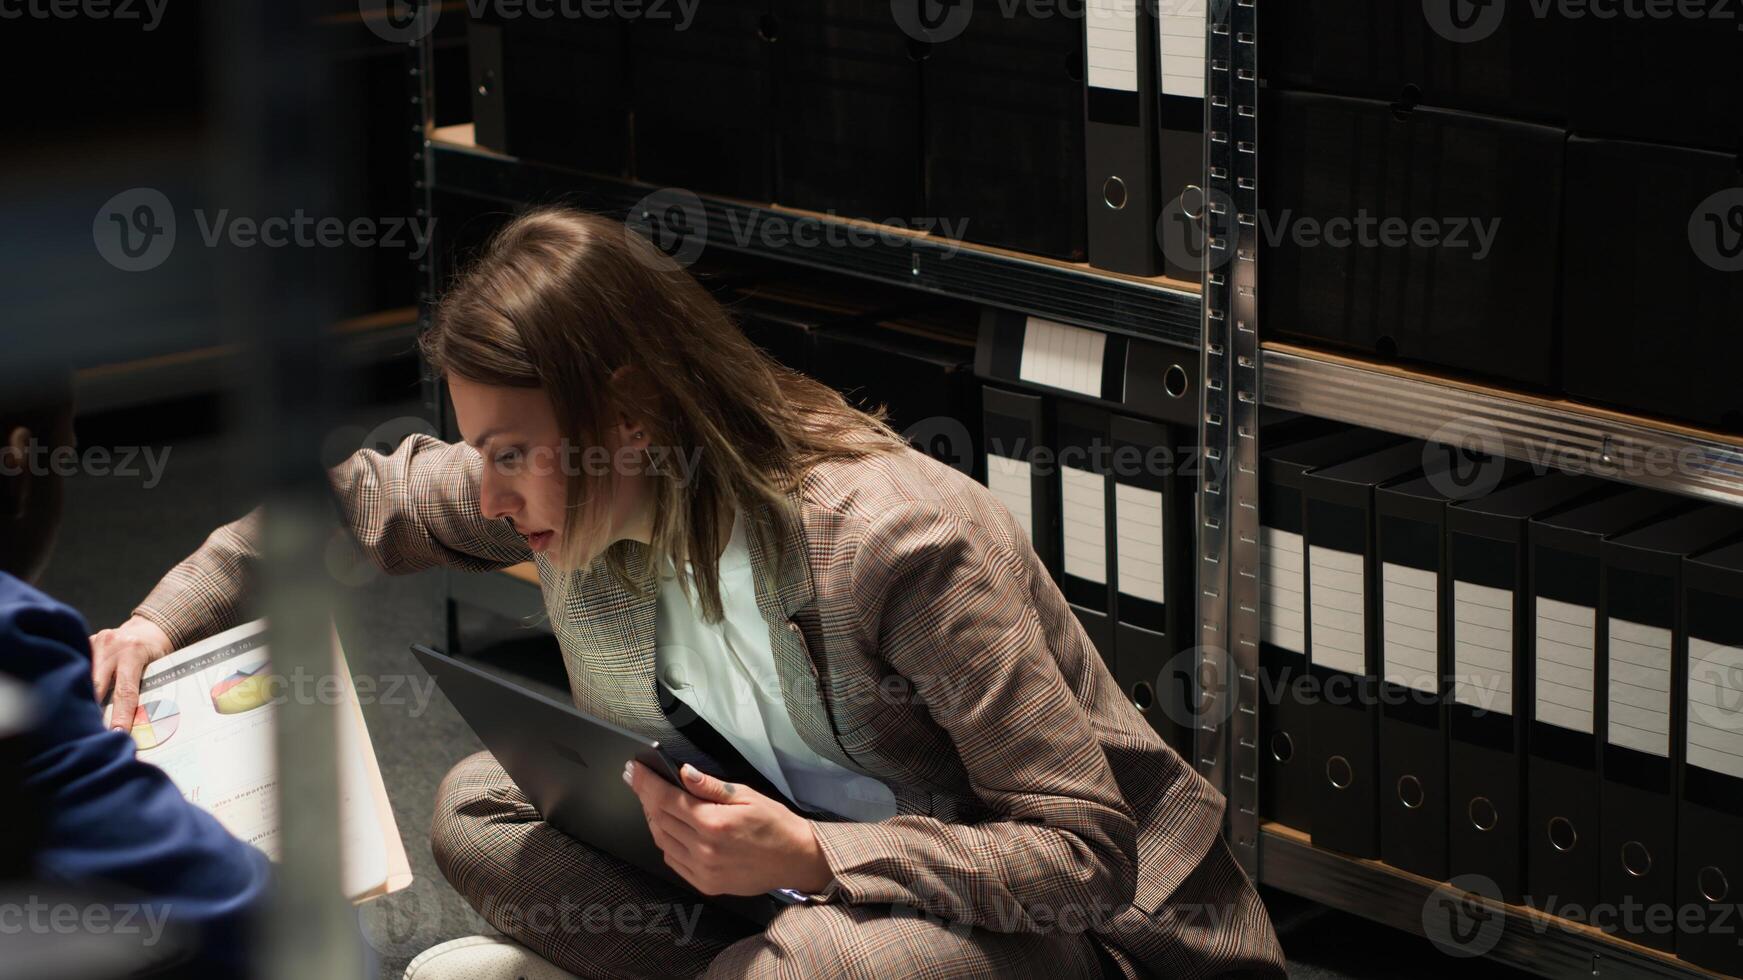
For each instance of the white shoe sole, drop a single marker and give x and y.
(483, 958)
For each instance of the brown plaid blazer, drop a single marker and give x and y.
(920, 641)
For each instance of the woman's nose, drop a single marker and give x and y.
(497, 501)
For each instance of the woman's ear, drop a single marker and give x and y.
(634, 402)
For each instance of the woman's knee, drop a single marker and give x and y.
(470, 798)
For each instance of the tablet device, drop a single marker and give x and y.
(570, 766)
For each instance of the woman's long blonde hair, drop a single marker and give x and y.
(560, 300)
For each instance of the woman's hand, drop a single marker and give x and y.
(726, 838)
(118, 657)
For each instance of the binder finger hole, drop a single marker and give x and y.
(1113, 193)
(1636, 859)
(1175, 381)
(1337, 769)
(1713, 885)
(1410, 792)
(1282, 746)
(1143, 695)
(1562, 835)
(1483, 814)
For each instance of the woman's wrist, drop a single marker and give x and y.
(812, 873)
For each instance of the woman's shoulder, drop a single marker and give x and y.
(901, 491)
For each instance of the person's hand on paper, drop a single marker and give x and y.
(726, 838)
(118, 658)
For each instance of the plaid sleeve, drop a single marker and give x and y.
(948, 603)
(412, 509)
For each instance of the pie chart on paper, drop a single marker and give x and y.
(154, 722)
(244, 690)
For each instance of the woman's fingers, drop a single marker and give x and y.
(102, 664)
(129, 665)
(118, 661)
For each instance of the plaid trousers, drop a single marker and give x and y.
(596, 916)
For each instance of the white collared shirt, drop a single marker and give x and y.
(726, 672)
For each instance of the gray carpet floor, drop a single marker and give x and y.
(120, 536)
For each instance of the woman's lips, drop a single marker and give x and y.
(540, 541)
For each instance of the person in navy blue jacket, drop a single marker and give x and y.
(106, 823)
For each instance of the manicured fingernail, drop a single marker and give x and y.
(691, 771)
(626, 780)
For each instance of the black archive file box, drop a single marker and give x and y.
(1152, 536)
(702, 99)
(1085, 488)
(1287, 778)
(1487, 542)
(1017, 454)
(1642, 710)
(1415, 653)
(1456, 265)
(1125, 515)
(1500, 59)
(1343, 647)
(1710, 813)
(1563, 845)
(1650, 288)
(920, 368)
(1663, 79)
(1180, 135)
(1003, 128)
(553, 90)
(847, 96)
(1130, 374)
(1121, 86)
(1121, 411)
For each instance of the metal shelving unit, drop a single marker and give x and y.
(1063, 291)
(1241, 375)
(1407, 402)
(448, 159)
(1650, 454)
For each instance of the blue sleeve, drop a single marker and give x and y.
(112, 819)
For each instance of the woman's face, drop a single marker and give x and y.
(527, 466)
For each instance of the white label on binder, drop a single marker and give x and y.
(1640, 687)
(1483, 647)
(1181, 31)
(1085, 510)
(1112, 32)
(1062, 356)
(1410, 627)
(1282, 594)
(1008, 479)
(1567, 635)
(1138, 523)
(1715, 730)
(1335, 581)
